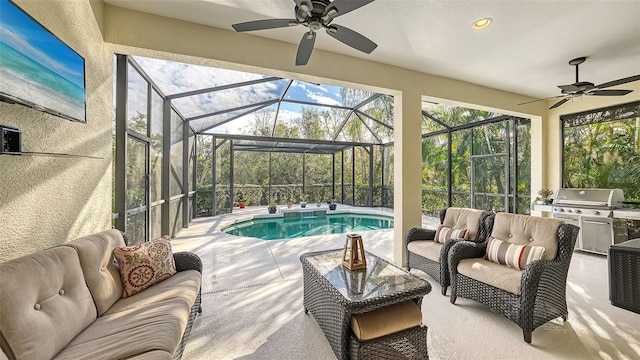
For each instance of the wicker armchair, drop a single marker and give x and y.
(530, 297)
(425, 254)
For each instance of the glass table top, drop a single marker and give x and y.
(378, 279)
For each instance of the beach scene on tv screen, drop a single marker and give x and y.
(37, 68)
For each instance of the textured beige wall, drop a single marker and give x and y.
(46, 200)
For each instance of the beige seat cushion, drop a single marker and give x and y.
(386, 320)
(44, 303)
(461, 218)
(491, 273)
(131, 332)
(101, 273)
(426, 248)
(185, 285)
(528, 230)
(153, 355)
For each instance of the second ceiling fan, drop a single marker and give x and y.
(315, 15)
(580, 88)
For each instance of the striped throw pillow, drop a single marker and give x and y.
(445, 233)
(513, 255)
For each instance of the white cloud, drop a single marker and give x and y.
(322, 99)
(174, 77)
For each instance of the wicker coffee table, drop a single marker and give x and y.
(332, 293)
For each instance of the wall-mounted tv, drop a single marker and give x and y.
(37, 69)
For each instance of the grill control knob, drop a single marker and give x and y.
(577, 211)
(596, 212)
(569, 211)
(561, 210)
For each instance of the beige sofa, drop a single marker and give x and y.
(65, 303)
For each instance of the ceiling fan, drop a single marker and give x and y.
(580, 88)
(317, 14)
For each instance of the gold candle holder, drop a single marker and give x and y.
(353, 257)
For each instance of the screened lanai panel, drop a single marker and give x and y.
(175, 77)
(435, 170)
(229, 99)
(176, 155)
(235, 121)
(430, 125)
(455, 116)
(490, 138)
(137, 99)
(309, 121)
(318, 178)
(461, 168)
(316, 93)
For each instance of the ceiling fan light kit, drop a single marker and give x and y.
(315, 15)
(580, 88)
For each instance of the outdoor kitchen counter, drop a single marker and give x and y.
(633, 214)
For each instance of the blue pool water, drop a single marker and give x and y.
(293, 227)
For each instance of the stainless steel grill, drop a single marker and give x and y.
(592, 211)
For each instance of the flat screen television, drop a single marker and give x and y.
(37, 69)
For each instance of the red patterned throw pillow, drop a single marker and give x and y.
(144, 265)
(513, 255)
(445, 233)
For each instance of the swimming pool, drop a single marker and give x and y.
(292, 227)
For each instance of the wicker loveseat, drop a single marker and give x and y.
(430, 256)
(66, 303)
(530, 292)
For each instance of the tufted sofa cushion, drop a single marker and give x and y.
(45, 303)
(131, 332)
(103, 280)
(461, 218)
(528, 230)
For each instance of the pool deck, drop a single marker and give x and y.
(252, 304)
(235, 262)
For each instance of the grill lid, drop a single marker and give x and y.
(602, 198)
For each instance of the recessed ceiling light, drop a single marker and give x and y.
(482, 23)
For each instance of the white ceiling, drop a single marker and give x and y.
(526, 49)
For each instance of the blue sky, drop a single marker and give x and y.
(22, 33)
(174, 77)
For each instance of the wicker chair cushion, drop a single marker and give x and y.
(387, 320)
(103, 280)
(528, 230)
(513, 255)
(445, 233)
(44, 303)
(144, 265)
(491, 273)
(460, 218)
(426, 248)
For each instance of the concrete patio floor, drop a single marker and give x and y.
(252, 304)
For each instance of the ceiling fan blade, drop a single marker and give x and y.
(609, 92)
(345, 6)
(264, 24)
(305, 48)
(351, 38)
(619, 82)
(569, 88)
(559, 103)
(549, 98)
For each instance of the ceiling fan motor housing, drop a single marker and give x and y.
(314, 13)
